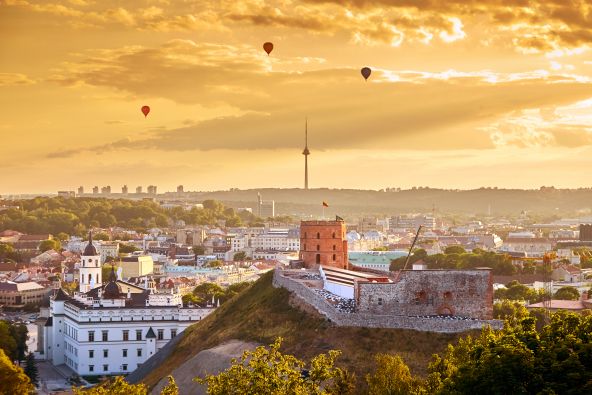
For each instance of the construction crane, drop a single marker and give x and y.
(409, 253)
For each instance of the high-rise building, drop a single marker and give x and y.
(106, 190)
(80, 190)
(124, 189)
(585, 232)
(265, 209)
(95, 190)
(151, 189)
(323, 243)
(180, 189)
(139, 189)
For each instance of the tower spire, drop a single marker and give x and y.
(306, 152)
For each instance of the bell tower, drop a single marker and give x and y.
(90, 270)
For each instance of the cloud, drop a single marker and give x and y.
(413, 112)
(15, 79)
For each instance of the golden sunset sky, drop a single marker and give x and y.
(463, 94)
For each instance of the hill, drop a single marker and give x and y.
(294, 201)
(261, 313)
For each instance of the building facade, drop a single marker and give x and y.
(323, 243)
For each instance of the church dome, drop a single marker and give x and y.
(112, 290)
(90, 249)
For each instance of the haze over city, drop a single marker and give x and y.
(462, 95)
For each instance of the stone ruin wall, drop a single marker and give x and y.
(462, 293)
(373, 320)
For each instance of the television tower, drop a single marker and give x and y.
(306, 152)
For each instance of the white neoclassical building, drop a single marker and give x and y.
(112, 327)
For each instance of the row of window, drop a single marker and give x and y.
(126, 337)
(91, 368)
(318, 235)
(91, 353)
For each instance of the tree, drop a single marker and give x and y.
(62, 236)
(31, 369)
(127, 248)
(20, 333)
(101, 236)
(519, 360)
(6, 251)
(7, 341)
(454, 250)
(171, 388)
(52, 244)
(268, 371)
(205, 291)
(191, 298)
(116, 386)
(567, 293)
(391, 377)
(213, 264)
(239, 256)
(509, 310)
(199, 250)
(12, 378)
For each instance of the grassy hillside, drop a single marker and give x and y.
(261, 313)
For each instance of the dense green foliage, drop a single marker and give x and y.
(456, 258)
(204, 292)
(268, 371)
(516, 291)
(13, 340)
(74, 216)
(567, 293)
(118, 386)
(519, 360)
(31, 369)
(12, 378)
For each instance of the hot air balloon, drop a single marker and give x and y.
(145, 110)
(268, 47)
(366, 72)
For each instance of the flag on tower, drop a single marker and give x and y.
(325, 204)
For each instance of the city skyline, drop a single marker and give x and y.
(460, 96)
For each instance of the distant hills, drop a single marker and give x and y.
(546, 200)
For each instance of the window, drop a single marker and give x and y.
(318, 259)
(160, 334)
(139, 352)
(91, 353)
(91, 368)
(334, 247)
(125, 335)
(105, 368)
(91, 336)
(318, 235)
(173, 333)
(124, 366)
(334, 256)
(318, 247)
(139, 334)
(105, 335)
(124, 353)
(380, 301)
(105, 353)
(333, 234)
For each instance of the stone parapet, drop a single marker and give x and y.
(357, 319)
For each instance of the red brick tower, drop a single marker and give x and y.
(323, 243)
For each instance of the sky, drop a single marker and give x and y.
(463, 93)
